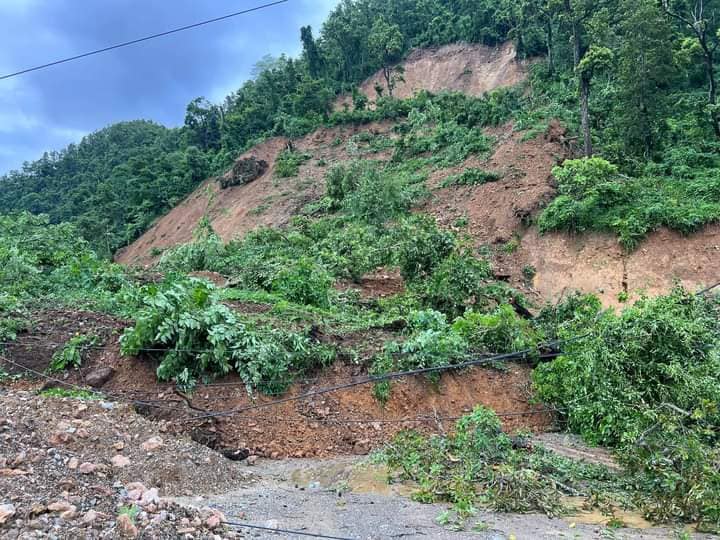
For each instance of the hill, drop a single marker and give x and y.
(398, 270)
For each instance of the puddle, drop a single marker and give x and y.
(362, 478)
(629, 519)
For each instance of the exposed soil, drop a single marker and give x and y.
(382, 283)
(266, 201)
(596, 263)
(495, 211)
(472, 69)
(350, 421)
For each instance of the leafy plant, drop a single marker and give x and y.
(70, 356)
(288, 163)
(471, 177)
(200, 337)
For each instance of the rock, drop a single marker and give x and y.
(60, 437)
(13, 472)
(98, 377)
(361, 448)
(73, 463)
(119, 445)
(153, 443)
(251, 460)
(70, 513)
(125, 527)
(150, 497)
(6, 512)
(60, 506)
(37, 509)
(215, 520)
(87, 468)
(120, 461)
(90, 517)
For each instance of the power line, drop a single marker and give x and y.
(283, 531)
(391, 376)
(142, 39)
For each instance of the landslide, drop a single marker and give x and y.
(497, 213)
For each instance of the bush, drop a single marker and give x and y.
(288, 163)
(420, 245)
(477, 465)
(456, 284)
(501, 331)
(200, 338)
(471, 177)
(647, 382)
(304, 282)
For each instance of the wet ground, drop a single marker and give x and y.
(350, 498)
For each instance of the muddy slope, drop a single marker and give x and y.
(472, 69)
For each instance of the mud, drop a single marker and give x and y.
(351, 498)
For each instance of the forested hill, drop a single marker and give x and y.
(634, 78)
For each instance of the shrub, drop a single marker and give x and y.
(471, 177)
(456, 284)
(200, 338)
(477, 466)
(647, 382)
(420, 245)
(70, 356)
(500, 331)
(304, 282)
(288, 163)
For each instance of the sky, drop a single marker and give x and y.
(155, 80)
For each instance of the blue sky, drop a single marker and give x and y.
(154, 80)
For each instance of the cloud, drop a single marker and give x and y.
(154, 80)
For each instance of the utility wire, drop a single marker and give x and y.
(283, 531)
(389, 377)
(142, 39)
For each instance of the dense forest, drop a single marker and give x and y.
(635, 79)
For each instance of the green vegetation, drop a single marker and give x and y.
(477, 466)
(633, 84)
(288, 163)
(70, 356)
(647, 383)
(197, 336)
(70, 393)
(594, 196)
(471, 177)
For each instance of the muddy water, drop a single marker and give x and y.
(353, 477)
(625, 518)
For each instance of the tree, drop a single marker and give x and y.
(311, 52)
(587, 59)
(645, 71)
(702, 18)
(386, 45)
(203, 121)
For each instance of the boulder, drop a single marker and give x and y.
(243, 172)
(98, 377)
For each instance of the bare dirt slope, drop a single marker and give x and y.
(472, 69)
(266, 201)
(596, 263)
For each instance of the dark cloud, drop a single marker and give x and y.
(155, 80)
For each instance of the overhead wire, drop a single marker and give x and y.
(283, 531)
(142, 39)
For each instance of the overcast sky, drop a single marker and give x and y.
(154, 80)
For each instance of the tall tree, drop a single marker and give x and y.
(386, 45)
(311, 52)
(702, 19)
(645, 71)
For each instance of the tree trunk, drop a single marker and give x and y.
(712, 94)
(585, 114)
(549, 37)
